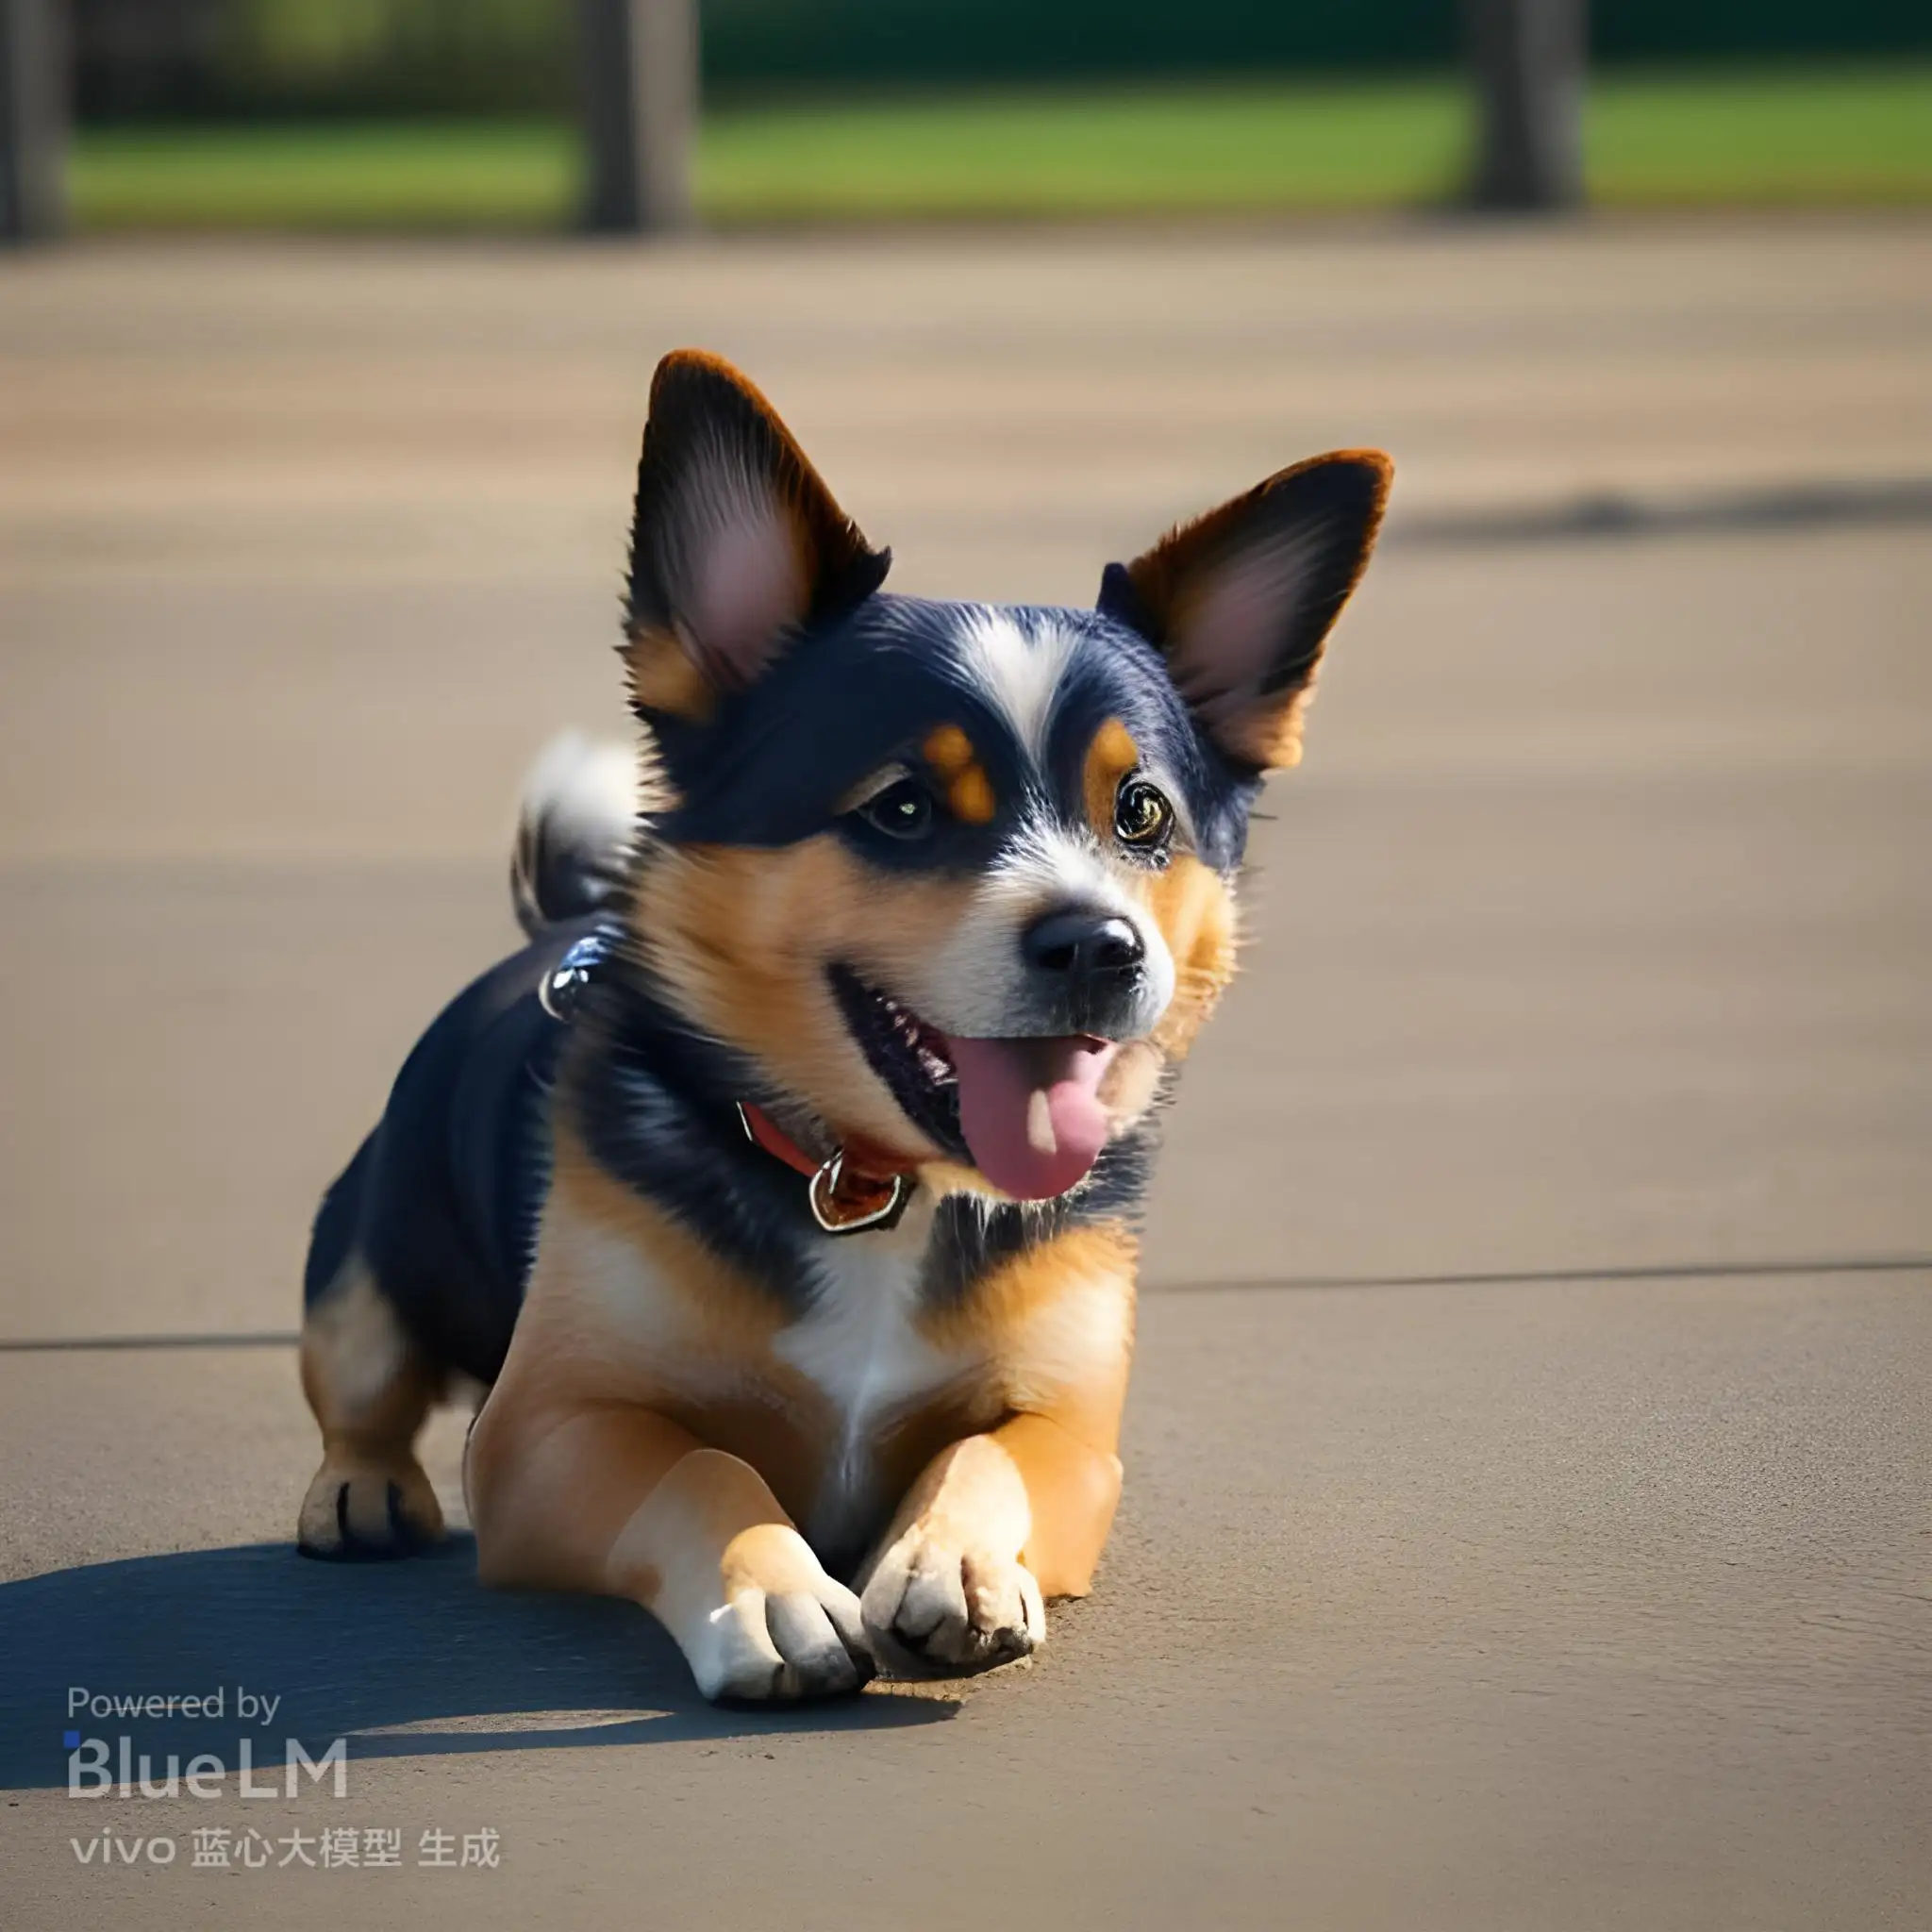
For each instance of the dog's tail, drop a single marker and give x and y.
(577, 821)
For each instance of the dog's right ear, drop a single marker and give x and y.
(1240, 601)
(735, 542)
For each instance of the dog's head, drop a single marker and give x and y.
(957, 878)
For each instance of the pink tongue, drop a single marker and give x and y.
(1030, 1110)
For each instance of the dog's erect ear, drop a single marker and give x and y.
(1242, 600)
(734, 542)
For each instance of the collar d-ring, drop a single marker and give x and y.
(879, 1205)
(843, 1200)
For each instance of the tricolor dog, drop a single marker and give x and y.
(783, 1191)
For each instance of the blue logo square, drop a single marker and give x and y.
(71, 1740)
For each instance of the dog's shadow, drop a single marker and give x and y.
(408, 1659)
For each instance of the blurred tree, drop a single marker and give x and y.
(33, 119)
(1528, 58)
(361, 58)
(640, 102)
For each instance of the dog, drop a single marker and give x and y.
(783, 1190)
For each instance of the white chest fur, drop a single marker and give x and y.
(861, 1347)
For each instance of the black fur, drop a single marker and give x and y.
(442, 1200)
(773, 764)
(971, 1238)
(703, 416)
(1330, 509)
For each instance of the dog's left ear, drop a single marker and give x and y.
(1242, 600)
(736, 543)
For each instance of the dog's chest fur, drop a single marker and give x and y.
(861, 1345)
(811, 1398)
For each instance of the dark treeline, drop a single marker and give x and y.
(262, 57)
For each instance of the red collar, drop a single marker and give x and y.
(858, 1186)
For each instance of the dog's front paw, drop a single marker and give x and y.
(785, 1630)
(933, 1609)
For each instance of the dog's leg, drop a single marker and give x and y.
(370, 1387)
(612, 1498)
(995, 1524)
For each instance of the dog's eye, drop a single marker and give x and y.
(902, 810)
(1142, 816)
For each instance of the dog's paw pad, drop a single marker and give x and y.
(933, 1609)
(365, 1510)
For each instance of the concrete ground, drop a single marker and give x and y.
(1529, 1453)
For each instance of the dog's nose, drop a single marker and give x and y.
(1083, 945)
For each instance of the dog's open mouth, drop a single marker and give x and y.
(911, 1058)
(1025, 1112)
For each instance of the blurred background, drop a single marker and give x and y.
(1529, 1423)
(310, 532)
(415, 113)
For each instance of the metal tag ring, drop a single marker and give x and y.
(827, 1177)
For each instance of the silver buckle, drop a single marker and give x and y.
(559, 988)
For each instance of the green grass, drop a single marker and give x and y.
(1856, 135)
(1851, 136)
(406, 176)
(1227, 148)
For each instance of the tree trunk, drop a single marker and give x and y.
(33, 119)
(640, 64)
(1529, 60)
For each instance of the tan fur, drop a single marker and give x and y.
(634, 1311)
(651, 1437)
(1111, 756)
(667, 1430)
(814, 541)
(1176, 578)
(968, 790)
(661, 1431)
(1030, 1491)
(369, 1389)
(1059, 1321)
(1195, 911)
(663, 678)
(744, 936)
(825, 538)
(581, 1475)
